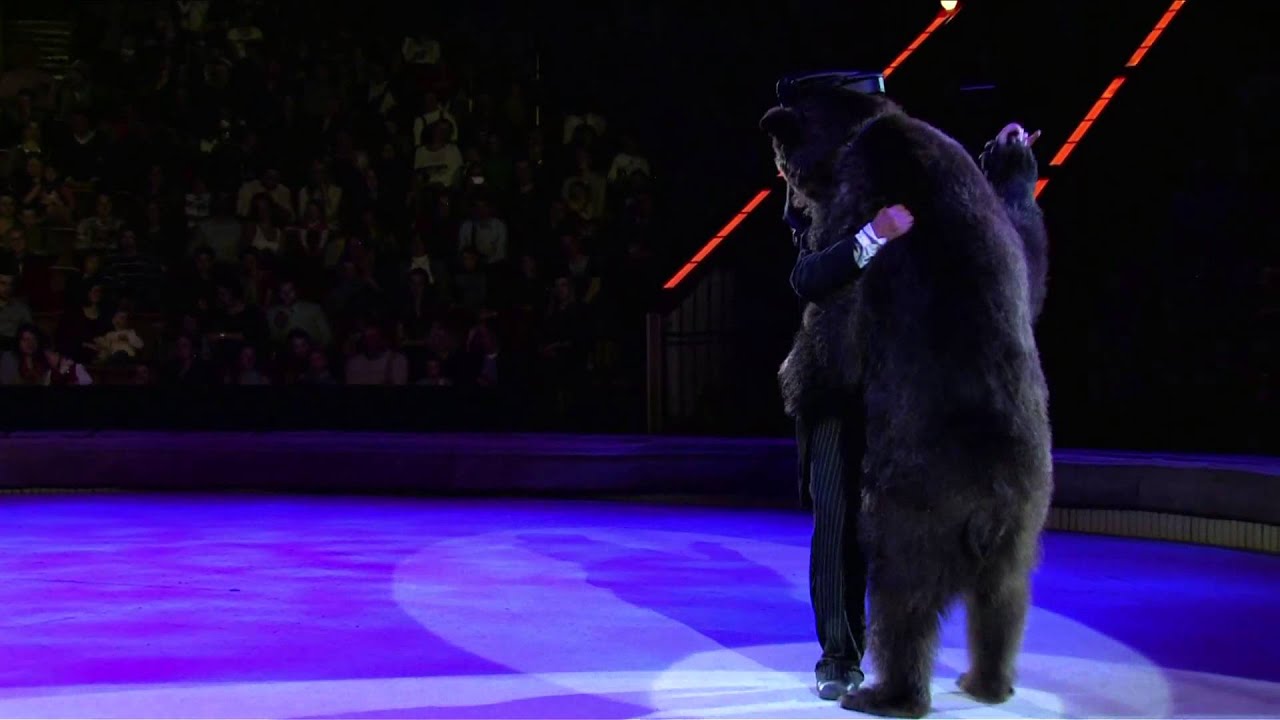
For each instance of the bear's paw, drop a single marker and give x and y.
(884, 701)
(985, 690)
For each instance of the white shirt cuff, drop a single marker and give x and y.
(866, 244)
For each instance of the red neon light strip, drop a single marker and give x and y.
(1141, 52)
(1087, 123)
(732, 225)
(720, 236)
(1096, 110)
(675, 279)
(938, 22)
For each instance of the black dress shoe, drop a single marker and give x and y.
(837, 682)
(831, 689)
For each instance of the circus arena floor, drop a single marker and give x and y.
(221, 606)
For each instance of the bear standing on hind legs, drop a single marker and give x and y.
(936, 338)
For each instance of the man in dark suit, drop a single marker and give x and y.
(830, 447)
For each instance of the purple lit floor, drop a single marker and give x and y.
(262, 606)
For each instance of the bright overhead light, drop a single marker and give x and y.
(950, 5)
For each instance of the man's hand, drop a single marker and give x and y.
(892, 222)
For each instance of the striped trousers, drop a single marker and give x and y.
(831, 453)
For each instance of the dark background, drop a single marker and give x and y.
(1160, 327)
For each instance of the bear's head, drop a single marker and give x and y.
(810, 130)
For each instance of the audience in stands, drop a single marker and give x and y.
(232, 193)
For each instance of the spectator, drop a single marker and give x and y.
(433, 374)
(593, 187)
(261, 231)
(26, 363)
(420, 50)
(199, 288)
(311, 240)
(131, 273)
(28, 181)
(119, 345)
(34, 233)
(20, 125)
(157, 189)
(577, 201)
(8, 214)
(434, 119)
(256, 281)
(528, 204)
(295, 314)
(235, 322)
(14, 313)
(162, 234)
(14, 253)
(628, 162)
(185, 368)
(243, 35)
(318, 370)
(197, 203)
(80, 325)
(322, 191)
(295, 362)
(564, 342)
(245, 370)
(438, 159)
(102, 231)
(484, 234)
(437, 222)
(376, 364)
(84, 157)
(64, 370)
(380, 99)
(42, 190)
(442, 346)
(357, 292)
(472, 283)
(220, 231)
(497, 167)
(141, 376)
(419, 309)
(279, 196)
(575, 123)
(581, 269)
(483, 346)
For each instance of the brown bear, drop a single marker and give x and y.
(935, 340)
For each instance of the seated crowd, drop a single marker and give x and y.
(232, 198)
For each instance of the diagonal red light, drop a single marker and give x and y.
(937, 22)
(717, 239)
(1083, 127)
(737, 219)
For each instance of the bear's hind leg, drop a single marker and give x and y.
(904, 642)
(997, 613)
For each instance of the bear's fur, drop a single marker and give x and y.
(936, 339)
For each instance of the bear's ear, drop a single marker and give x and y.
(783, 124)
